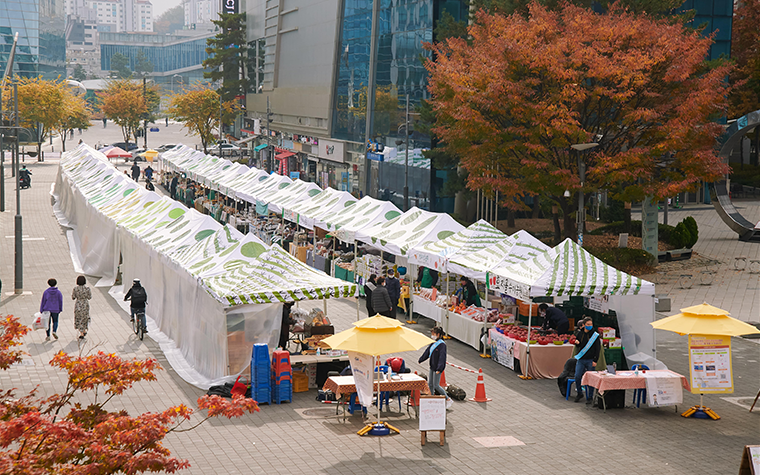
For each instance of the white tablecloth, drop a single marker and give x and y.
(461, 327)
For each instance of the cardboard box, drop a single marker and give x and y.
(607, 332)
(616, 343)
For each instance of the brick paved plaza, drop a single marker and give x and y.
(556, 436)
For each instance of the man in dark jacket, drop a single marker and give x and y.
(135, 171)
(436, 352)
(554, 318)
(369, 286)
(394, 290)
(285, 325)
(381, 301)
(173, 187)
(589, 346)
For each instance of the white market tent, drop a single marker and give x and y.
(298, 191)
(513, 249)
(327, 203)
(366, 213)
(408, 230)
(205, 334)
(436, 255)
(570, 270)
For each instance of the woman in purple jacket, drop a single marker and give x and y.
(52, 301)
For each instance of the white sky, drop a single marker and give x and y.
(160, 6)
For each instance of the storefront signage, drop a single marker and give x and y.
(710, 364)
(230, 6)
(378, 157)
(330, 150)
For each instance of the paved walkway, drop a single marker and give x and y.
(306, 437)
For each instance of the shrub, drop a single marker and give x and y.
(691, 225)
(623, 258)
(680, 236)
(613, 213)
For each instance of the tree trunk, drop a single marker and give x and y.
(569, 223)
(510, 218)
(557, 230)
(63, 142)
(536, 207)
(627, 217)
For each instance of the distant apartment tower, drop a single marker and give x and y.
(200, 12)
(41, 47)
(114, 15)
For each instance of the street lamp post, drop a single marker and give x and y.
(175, 76)
(579, 148)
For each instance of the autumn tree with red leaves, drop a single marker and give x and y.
(745, 51)
(513, 97)
(58, 435)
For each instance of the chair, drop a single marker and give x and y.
(386, 395)
(570, 382)
(639, 394)
(353, 405)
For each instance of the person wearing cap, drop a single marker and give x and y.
(138, 300)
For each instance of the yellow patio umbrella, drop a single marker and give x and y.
(149, 155)
(704, 319)
(376, 336)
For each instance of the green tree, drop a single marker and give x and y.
(227, 56)
(198, 109)
(169, 21)
(143, 66)
(120, 66)
(79, 73)
(76, 116)
(41, 105)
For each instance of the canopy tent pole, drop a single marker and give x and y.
(446, 336)
(356, 268)
(527, 352)
(332, 263)
(410, 316)
(484, 338)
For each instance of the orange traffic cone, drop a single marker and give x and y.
(414, 399)
(443, 379)
(480, 390)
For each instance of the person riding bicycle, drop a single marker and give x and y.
(138, 300)
(25, 176)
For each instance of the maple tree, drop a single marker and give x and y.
(124, 102)
(513, 97)
(58, 434)
(197, 107)
(77, 116)
(745, 51)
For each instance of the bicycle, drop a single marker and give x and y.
(138, 324)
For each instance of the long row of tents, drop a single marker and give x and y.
(518, 265)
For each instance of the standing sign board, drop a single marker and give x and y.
(750, 464)
(710, 364)
(361, 367)
(649, 226)
(432, 416)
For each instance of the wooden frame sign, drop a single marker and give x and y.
(432, 415)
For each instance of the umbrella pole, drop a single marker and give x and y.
(446, 335)
(527, 351)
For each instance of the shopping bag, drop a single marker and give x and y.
(41, 321)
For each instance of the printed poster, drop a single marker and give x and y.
(663, 389)
(710, 364)
(362, 367)
(502, 349)
(599, 304)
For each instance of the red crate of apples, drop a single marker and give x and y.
(521, 334)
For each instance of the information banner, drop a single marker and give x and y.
(710, 364)
(599, 304)
(649, 225)
(361, 366)
(663, 389)
(502, 349)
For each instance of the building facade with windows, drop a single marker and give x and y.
(41, 49)
(312, 62)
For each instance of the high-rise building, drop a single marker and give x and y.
(41, 47)
(114, 15)
(199, 13)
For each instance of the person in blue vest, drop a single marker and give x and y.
(436, 352)
(589, 347)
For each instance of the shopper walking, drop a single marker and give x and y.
(381, 301)
(82, 295)
(52, 301)
(135, 171)
(173, 187)
(394, 290)
(369, 286)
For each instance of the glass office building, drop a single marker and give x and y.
(41, 49)
(404, 26)
(166, 52)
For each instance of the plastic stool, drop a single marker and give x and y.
(570, 382)
(354, 405)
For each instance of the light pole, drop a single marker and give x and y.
(176, 76)
(406, 156)
(581, 147)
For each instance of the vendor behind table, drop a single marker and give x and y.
(554, 318)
